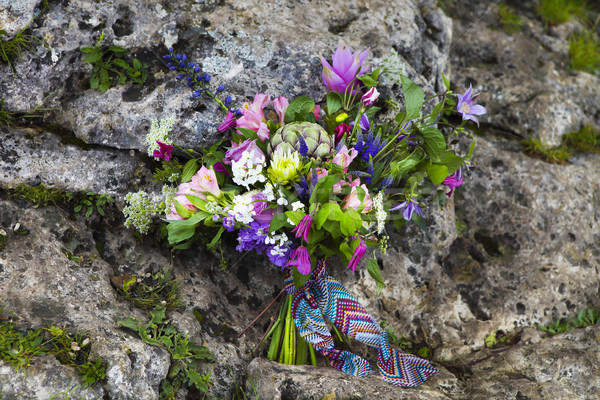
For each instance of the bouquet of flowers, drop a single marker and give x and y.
(312, 182)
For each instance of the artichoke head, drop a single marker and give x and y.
(317, 140)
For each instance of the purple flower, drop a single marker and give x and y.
(408, 208)
(235, 152)
(453, 181)
(165, 151)
(229, 122)
(263, 214)
(467, 108)
(229, 223)
(279, 255)
(358, 253)
(341, 73)
(219, 167)
(369, 98)
(364, 123)
(302, 229)
(301, 259)
(253, 238)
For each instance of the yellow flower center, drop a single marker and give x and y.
(465, 108)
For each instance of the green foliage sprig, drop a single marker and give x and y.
(510, 21)
(585, 317)
(555, 12)
(108, 64)
(584, 51)
(185, 355)
(70, 348)
(41, 195)
(151, 292)
(584, 140)
(13, 47)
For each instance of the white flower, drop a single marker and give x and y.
(246, 171)
(159, 131)
(380, 213)
(298, 205)
(282, 201)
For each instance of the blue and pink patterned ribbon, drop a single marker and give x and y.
(322, 296)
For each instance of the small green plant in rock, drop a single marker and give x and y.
(585, 140)
(536, 149)
(68, 347)
(584, 51)
(393, 338)
(585, 317)
(150, 292)
(185, 356)
(71, 348)
(6, 118)
(555, 12)
(16, 348)
(41, 195)
(108, 64)
(13, 47)
(510, 21)
(90, 202)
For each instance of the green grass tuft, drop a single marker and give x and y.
(585, 317)
(584, 51)
(585, 140)
(556, 12)
(510, 21)
(536, 149)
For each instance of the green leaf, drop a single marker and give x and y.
(198, 380)
(278, 221)
(413, 97)
(295, 216)
(346, 252)
(437, 173)
(121, 63)
(367, 80)
(216, 239)
(334, 103)
(248, 133)
(137, 64)
(190, 168)
(347, 225)
(300, 279)
(196, 201)
(375, 272)
(131, 323)
(118, 50)
(300, 105)
(330, 211)
(183, 230)
(446, 81)
(452, 161)
(181, 210)
(404, 166)
(92, 57)
(435, 143)
(322, 191)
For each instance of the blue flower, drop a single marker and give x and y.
(408, 207)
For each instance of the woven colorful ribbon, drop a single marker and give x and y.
(323, 297)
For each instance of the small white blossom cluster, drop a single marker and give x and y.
(298, 205)
(391, 69)
(247, 171)
(380, 213)
(243, 207)
(140, 209)
(169, 193)
(159, 131)
(280, 241)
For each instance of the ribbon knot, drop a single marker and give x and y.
(322, 296)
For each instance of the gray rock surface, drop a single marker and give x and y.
(529, 253)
